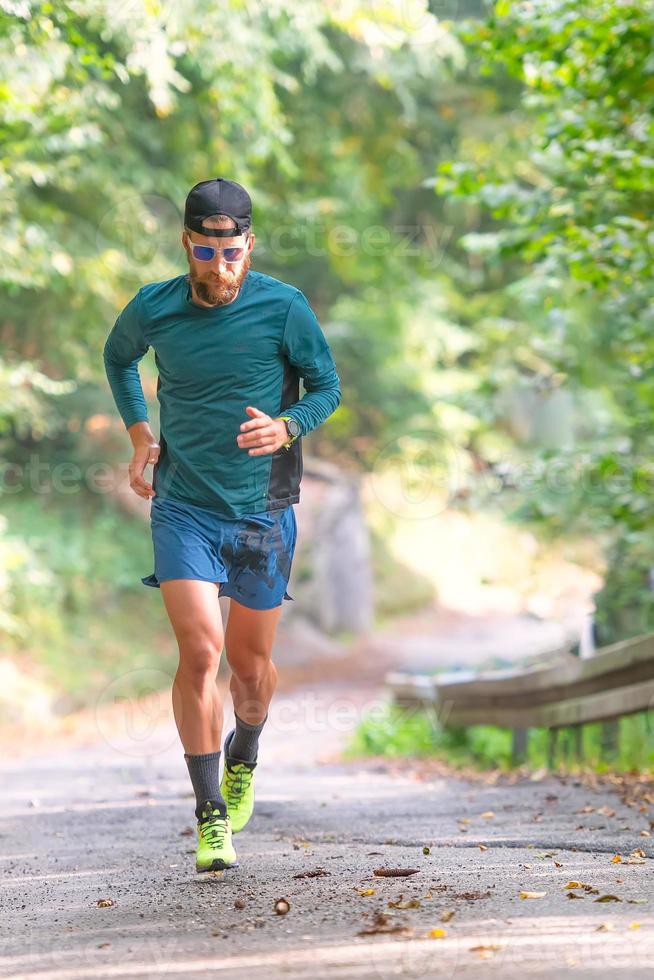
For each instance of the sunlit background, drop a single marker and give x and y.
(463, 191)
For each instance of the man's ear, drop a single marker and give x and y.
(251, 240)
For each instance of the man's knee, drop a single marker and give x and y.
(250, 665)
(199, 656)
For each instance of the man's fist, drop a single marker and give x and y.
(262, 434)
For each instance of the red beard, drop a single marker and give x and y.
(218, 289)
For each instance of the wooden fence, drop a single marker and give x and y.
(567, 692)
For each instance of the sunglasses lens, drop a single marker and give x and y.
(233, 254)
(204, 253)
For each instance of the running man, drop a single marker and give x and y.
(230, 347)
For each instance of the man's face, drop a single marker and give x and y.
(217, 281)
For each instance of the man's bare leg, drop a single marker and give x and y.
(248, 641)
(194, 613)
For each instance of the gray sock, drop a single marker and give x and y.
(203, 770)
(244, 743)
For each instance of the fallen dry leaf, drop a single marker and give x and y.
(382, 923)
(607, 898)
(395, 872)
(105, 903)
(447, 915)
(634, 925)
(314, 873)
(408, 903)
(486, 950)
(436, 933)
(366, 891)
(533, 894)
(488, 815)
(482, 847)
(616, 859)
(604, 927)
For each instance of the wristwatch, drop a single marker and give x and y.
(293, 430)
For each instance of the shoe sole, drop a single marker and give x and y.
(238, 831)
(217, 865)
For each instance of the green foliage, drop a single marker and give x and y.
(565, 299)
(112, 112)
(399, 732)
(74, 601)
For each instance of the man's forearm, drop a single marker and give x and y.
(314, 407)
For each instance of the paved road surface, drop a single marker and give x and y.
(113, 819)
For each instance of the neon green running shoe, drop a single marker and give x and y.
(237, 788)
(215, 849)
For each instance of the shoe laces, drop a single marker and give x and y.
(213, 827)
(237, 779)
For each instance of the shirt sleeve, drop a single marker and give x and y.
(124, 348)
(306, 348)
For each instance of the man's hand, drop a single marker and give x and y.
(262, 434)
(144, 453)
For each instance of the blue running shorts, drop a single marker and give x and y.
(250, 557)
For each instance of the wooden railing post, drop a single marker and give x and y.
(551, 747)
(519, 745)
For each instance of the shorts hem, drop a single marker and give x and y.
(154, 582)
(239, 599)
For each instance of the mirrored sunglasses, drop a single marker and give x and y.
(206, 253)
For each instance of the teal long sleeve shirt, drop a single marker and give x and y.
(212, 363)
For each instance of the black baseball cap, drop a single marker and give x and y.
(218, 196)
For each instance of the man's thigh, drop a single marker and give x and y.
(250, 633)
(194, 612)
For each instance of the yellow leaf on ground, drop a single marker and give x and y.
(533, 894)
(436, 933)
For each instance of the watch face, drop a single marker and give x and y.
(293, 428)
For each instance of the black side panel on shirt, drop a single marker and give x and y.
(286, 466)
